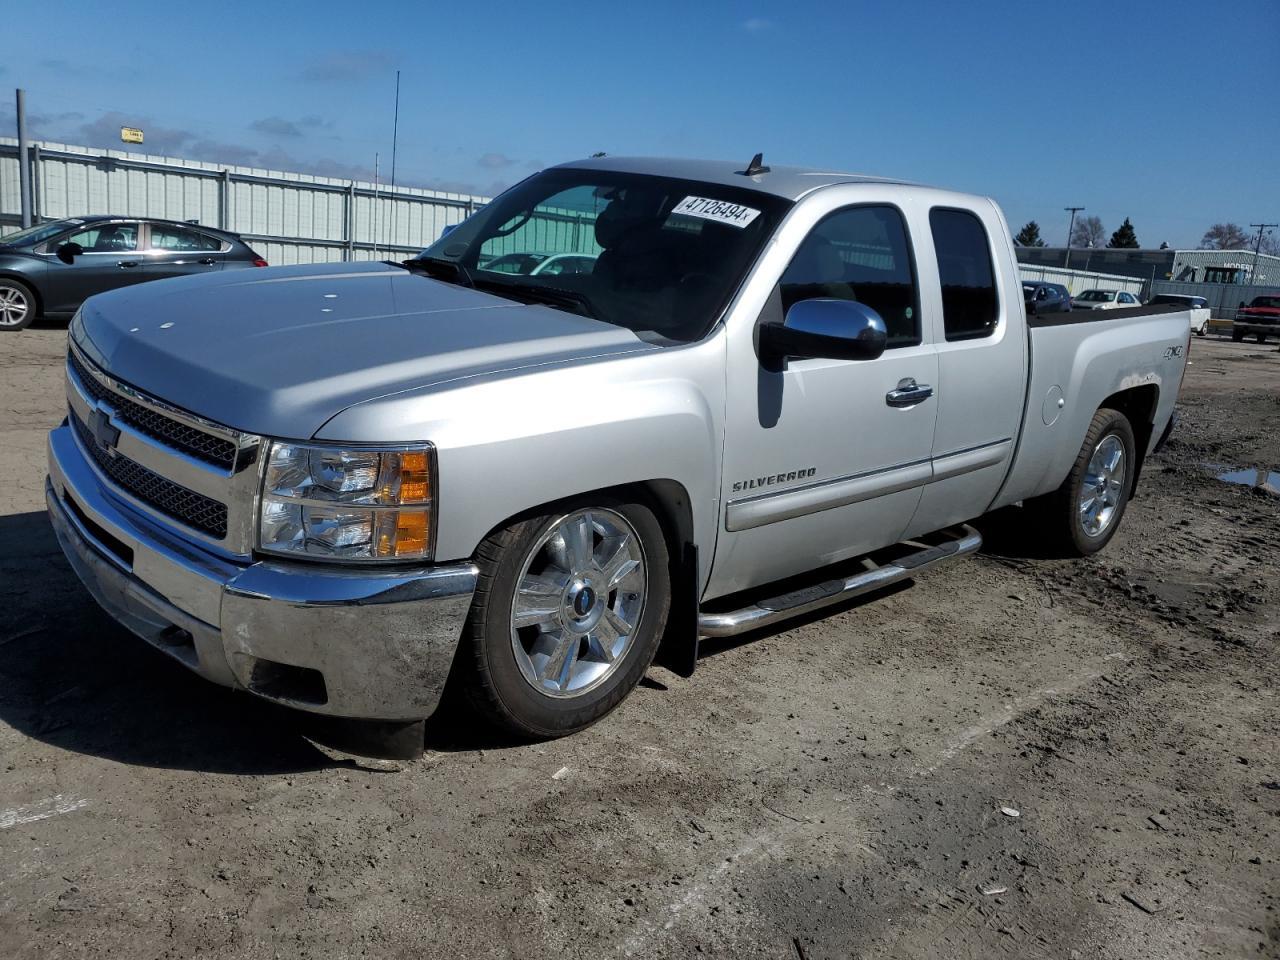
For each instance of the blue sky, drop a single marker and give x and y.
(1164, 112)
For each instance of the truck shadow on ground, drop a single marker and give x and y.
(71, 677)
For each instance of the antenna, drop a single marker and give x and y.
(756, 166)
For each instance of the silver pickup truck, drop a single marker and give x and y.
(343, 487)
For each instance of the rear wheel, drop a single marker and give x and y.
(1237, 335)
(17, 305)
(567, 616)
(1262, 338)
(1081, 516)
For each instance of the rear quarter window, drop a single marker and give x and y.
(970, 307)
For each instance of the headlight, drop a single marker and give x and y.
(348, 503)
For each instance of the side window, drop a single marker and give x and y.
(862, 254)
(182, 240)
(1127, 298)
(969, 304)
(106, 238)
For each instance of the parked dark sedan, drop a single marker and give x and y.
(50, 269)
(1041, 297)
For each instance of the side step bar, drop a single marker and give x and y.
(960, 541)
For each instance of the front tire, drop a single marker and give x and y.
(567, 616)
(1082, 515)
(17, 305)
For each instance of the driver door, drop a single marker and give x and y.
(111, 259)
(821, 460)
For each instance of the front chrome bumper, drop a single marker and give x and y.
(368, 644)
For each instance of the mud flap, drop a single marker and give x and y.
(678, 651)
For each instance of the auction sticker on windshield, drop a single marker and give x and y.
(734, 214)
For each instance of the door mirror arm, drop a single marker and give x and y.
(823, 329)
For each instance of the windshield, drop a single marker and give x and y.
(38, 234)
(1097, 295)
(1273, 302)
(657, 255)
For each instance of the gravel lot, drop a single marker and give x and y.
(829, 790)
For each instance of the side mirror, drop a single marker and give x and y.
(826, 329)
(67, 252)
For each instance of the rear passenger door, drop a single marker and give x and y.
(971, 288)
(175, 251)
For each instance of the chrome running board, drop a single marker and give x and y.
(955, 542)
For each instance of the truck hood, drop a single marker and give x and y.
(280, 351)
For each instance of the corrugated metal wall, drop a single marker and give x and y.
(286, 217)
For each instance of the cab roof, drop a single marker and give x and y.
(790, 183)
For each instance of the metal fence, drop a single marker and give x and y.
(1224, 298)
(1077, 281)
(286, 217)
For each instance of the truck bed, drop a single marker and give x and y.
(1078, 360)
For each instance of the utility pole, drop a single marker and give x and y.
(1070, 227)
(24, 171)
(395, 133)
(1257, 245)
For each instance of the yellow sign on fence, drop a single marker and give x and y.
(130, 134)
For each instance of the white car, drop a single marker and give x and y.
(1105, 300)
(541, 264)
(1198, 306)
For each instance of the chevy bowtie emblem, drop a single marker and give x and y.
(103, 432)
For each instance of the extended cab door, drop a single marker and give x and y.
(973, 297)
(822, 461)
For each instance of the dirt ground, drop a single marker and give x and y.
(829, 790)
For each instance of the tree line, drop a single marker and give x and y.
(1088, 232)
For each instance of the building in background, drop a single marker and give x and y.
(1180, 266)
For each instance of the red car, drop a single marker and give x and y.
(1261, 318)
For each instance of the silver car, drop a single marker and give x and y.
(340, 487)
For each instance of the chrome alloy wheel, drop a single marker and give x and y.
(13, 306)
(578, 602)
(1102, 486)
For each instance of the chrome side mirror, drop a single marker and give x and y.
(827, 329)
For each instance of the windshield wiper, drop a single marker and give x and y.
(438, 268)
(552, 296)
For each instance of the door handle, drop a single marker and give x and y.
(208, 261)
(127, 264)
(908, 393)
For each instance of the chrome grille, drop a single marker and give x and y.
(170, 463)
(186, 506)
(180, 436)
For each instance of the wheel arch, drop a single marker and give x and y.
(673, 507)
(29, 284)
(1138, 404)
